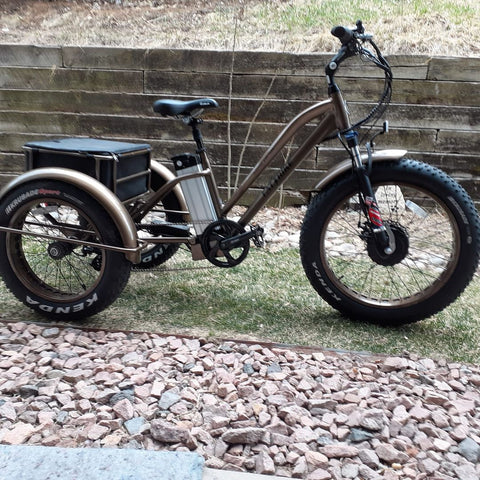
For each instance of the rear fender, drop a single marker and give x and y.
(97, 190)
(345, 166)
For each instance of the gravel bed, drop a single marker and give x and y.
(281, 225)
(298, 413)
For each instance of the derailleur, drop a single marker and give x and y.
(226, 243)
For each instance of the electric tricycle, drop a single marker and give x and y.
(386, 239)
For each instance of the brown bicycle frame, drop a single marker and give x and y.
(332, 115)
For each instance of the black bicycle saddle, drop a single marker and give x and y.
(173, 108)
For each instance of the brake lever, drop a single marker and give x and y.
(360, 28)
(359, 32)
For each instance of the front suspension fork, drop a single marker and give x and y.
(367, 196)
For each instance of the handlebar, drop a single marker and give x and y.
(352, 41)
(348, 49)
(346, 35)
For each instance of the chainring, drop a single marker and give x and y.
(218, 232)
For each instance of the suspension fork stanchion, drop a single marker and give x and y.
(368, 201)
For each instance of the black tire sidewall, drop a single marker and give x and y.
(415, 173)
(160, 253)
(117, 267)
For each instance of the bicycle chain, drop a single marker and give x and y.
(168, 270)
(161, 268)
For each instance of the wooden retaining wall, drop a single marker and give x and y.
(51, 92)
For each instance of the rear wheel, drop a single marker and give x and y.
(169, 210)
(57, 278)
(435, 228)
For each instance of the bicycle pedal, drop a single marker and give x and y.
(258, 239)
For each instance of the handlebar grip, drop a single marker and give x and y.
(343, 34)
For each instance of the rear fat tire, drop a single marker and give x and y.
(78, 282)
(338, 285)
(159, 253)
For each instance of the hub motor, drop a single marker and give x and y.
(400, 243)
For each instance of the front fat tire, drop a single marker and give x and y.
(339, 280)
(78, 282)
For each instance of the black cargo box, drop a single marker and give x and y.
(123, 167)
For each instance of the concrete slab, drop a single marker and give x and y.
(51, 463)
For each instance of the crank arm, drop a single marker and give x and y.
(234, 242)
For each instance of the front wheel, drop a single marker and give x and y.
(436, 233)
(57, 278)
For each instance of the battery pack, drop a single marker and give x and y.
(195, 190)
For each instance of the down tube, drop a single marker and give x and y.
(324, 129)
(275, 148)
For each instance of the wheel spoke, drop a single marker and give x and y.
(68, 276)
(427, 258)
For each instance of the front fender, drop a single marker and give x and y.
(346, 165)
(97, 190)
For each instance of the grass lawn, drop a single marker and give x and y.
(269, 298)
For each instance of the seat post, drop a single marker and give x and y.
(202, 152)
(197, 134)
